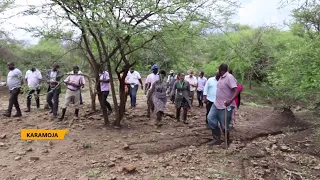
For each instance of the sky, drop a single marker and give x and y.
(252, 12)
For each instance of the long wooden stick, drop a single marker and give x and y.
(225, 127)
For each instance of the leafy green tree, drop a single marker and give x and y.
(111, 31)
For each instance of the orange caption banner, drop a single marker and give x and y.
(43, 134)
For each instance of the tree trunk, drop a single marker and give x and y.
(122, 95)
(114, 96)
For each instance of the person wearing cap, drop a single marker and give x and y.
(133, 79)
(74, 82)
(53, 77)
(193, 84)
(201, 83)
(151, 78)
(170, 82)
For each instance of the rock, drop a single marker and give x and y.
(45, 151)
(211, 170)
(185, 175)
(20, 153)
(192, 168)
(2, 144)
(298, 108)
(34, 158)
(129, 168)
(17, 158)
(169, 167)
(112, 164)
(113, 159)
(174, 175)
(126, 147)
(197, 178)
(285, 148)
(33, 178)
(84, 177)
(113, 178)
(92, 161)
(29, 149)
(317, 167)
(2, 136)
(119, 157)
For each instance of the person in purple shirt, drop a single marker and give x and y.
(201, 83)
(105, 89)
(227, 91)
(73, 82)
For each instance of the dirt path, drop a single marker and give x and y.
(174, 151)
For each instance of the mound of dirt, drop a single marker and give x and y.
(273, 122)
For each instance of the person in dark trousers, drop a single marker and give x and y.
(209, 92)
(182, 98)
(105, 89)
(33, 78)
(201, 83)
(133, 79)
(53, 77)
(14, 82)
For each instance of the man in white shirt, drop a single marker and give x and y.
(14, 82)
(133, 79)
(73, 82)
(210, 91)
(193, 84)
(201, 83)
(151, 78)
(33, 78)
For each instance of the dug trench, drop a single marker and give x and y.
(267, 144)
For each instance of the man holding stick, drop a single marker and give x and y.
(53, 77)
(221, 110)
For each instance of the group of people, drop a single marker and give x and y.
(220, 93)
(74, 82)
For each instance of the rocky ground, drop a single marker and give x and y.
(267, 144)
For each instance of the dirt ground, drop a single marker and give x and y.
(267, 145)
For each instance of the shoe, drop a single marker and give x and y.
(216, 134)
(63, 114)
(76, 113)
(6, 115)
(17, 115)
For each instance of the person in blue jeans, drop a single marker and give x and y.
(133, 79)
(226, 92)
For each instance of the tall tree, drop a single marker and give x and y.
(111, 31)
